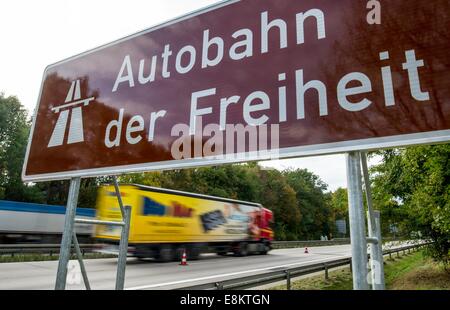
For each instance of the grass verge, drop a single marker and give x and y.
(409, 272)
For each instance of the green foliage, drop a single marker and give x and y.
(412, 190)
(280, 197)
(56, 192)
(14, 129)
(339, 202)
(339, 205)
(231, 181)
(314, 203)
(148, 178)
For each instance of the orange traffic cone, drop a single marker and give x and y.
(306, 251)
(183, 259)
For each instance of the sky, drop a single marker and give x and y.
(34, 34)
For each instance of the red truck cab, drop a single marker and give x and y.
(265, 225)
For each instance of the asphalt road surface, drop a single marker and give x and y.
(153, 275)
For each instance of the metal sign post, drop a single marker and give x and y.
(80, 261)
(123, 245)
(376, 252)
(357, 221)
(374, 227)
(66, 242)
(69, 235)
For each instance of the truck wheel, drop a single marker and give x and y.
(143, 251)
(242, 249)
(178, 253)
(265, 248)
(193, 253)
(165, 254)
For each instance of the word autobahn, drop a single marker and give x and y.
(212, 54)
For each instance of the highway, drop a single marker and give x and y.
(153, 275)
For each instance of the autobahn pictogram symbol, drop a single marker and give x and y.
(71, 107)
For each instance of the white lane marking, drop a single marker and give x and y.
(222, 275)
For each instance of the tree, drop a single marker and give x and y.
(280, 197)
(339, 202)
(339, 205)
(313, 202)
(412, 188)
(56, 192)
(14, 130)
(385, 181)
(146, 178)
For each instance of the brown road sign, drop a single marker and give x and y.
(295, 77)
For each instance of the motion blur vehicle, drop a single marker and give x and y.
(165, 223)
(31, 222)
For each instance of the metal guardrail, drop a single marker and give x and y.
(50, 249)
(288, 273)
(311, 243)
(308, 243)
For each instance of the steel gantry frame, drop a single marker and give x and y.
(69, 236)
